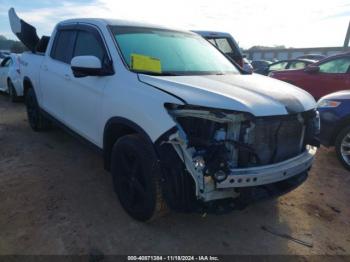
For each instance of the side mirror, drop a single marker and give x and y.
(86, 66)
(312, 69)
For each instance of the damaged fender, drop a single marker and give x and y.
(217, 147)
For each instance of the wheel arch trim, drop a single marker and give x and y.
(344, 122)
(27, 80)
(117, 127)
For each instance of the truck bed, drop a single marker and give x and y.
(31, 64)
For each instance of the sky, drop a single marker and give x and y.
(297, 23)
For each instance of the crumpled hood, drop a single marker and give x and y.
(256, 94)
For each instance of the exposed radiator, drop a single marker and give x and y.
(273, 140)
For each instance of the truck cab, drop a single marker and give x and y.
(225, 43)
(179, 126)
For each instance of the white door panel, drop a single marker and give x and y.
(3, 74)
(83, 98)
(54, 70)
(51, 80)
(83, 95)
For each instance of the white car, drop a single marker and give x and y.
(10, 79)
(177, 123)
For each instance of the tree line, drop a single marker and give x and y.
(12, 45)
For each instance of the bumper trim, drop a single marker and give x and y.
(255, 176)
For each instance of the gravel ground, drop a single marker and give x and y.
(56, 198)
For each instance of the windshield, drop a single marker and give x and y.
(166, 52)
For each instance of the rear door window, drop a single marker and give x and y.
(297, 65)
(278, 66)
(63, 46)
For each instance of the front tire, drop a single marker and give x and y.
(136, 178)
(342, 147)
(36, 120)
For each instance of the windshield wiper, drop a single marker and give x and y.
(156, 73)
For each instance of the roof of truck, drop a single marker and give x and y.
(212, 33)
(116, 22)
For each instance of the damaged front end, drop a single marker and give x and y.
(214, 155)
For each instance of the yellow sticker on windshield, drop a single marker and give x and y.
(145, 63)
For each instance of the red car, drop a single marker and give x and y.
(321, 78)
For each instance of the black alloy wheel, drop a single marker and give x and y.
(136, 178)
(12, 92)
(36, 120)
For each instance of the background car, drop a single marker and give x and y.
(334, 112)
(260, 65)
(247, 66)
(316, 57)
(4, 54)
(324, 77)
(225, 43)
(10, 77)
(286, 65)
(4, 68)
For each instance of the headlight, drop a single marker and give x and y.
(202, 126)
(215, 114)
(328, 103)
(317, 123)
(313, 127)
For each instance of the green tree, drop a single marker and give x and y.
(17, 47)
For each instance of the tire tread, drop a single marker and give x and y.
(146, 152)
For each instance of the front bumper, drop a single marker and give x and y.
(256, 176)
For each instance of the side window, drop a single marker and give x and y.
(87, 44)
(336, 66)
(278, 66)
(6, 62)
(211, 40)
(297, 65)
(62, 49)
(224, 45)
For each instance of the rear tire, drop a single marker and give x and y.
(136, 178)
(12, 92)
(342, 147)
(36, 119)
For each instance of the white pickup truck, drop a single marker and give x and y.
(178, 124)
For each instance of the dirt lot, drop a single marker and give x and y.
(56, 198)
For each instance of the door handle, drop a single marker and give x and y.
(67, 77)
